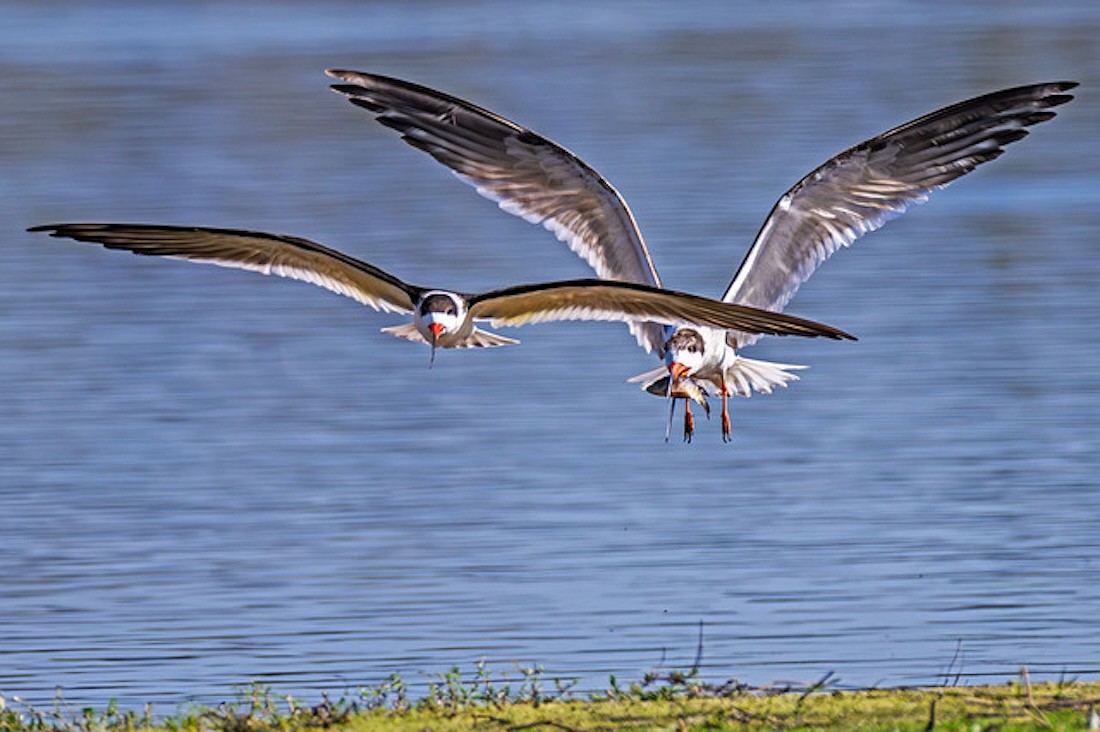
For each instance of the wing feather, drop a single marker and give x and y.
(527, 175)
(590, 299)
(865, 186)
(269, 254)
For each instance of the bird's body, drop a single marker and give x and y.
(851, 194)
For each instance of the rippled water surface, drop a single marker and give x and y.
(208, 477)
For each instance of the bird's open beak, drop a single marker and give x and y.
(678, 370)
(436, 329)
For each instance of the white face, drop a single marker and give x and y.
(439, 314)
(689, 359)
(685, 354)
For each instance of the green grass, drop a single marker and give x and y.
(678, 701)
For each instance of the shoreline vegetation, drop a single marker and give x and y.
(674, 701)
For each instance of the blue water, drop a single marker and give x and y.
(208, 477)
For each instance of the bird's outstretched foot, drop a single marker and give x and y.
(689, 422)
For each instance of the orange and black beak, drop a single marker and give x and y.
(678, 370)
(436, 329)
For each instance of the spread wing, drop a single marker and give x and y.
(525, 173)
(592, 299)
(269, 254)
(865, 186)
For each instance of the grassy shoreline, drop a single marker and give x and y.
(673, 702)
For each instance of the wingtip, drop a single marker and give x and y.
(52, 229)
(828, 331)
(836, 335)
(842, 335)
(1059, 95)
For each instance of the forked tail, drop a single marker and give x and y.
(743, 377)
(477, 339)
(748, 374)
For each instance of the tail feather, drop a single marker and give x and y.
(484, 339)
(745, 376)
(749, 374)
(477, 339)
(407, 331)
(647, 378)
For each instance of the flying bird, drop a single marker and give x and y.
(441, 318)
(851, 194)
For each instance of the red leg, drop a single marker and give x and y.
(727, 429)
(689, 421)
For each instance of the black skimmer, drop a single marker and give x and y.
(441, 318)
(851, 194)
